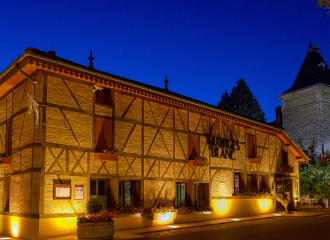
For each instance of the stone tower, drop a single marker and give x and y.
(306, 105)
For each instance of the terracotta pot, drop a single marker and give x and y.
(106, 157)
(101, 230)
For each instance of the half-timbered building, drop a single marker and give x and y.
(55, 115)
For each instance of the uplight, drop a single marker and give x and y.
(277, 215)
(236, 220)
(173, 226)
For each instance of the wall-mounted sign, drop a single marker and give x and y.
(223, 147)
(62, 191)
(79, 192)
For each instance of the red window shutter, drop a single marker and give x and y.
(193, 145)
(103, 133)
(99, 138)
(107, 133)
(252, 150)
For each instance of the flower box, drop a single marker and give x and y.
(285, 169)
(193, 163)
(106, 157)
(162, 217)
(91, 230)
(255, 160)
(5, 161)
(203, 212)
(116, 215)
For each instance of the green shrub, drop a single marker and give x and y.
(94, 205)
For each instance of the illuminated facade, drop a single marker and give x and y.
(54, 167)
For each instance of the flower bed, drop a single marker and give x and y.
(126, 211)
(262, 195)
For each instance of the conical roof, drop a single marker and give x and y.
(313, 71)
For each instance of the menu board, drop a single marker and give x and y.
(79, 192)
(62, 191)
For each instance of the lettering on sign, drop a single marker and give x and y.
(223, 147)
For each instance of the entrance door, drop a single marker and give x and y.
(282, 186)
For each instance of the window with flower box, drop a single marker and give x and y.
(252, 146)
(103, 133)
(193, 146)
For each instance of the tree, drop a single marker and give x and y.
(325, 3)
(241, 101)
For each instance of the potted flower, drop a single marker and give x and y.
(157, 213)
(184, 210)
(98, 224)
(198, 161)
(4, 159)
(106, 154)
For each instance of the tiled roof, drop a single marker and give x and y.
(313, 71)
(52, 55)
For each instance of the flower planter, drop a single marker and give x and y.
(255, 160)
(203, 212)
(183, 213)
(234, 197)
(193, 163)
(101, 230)
(106, 157)
(285, 170)
(116, 215)
(5, 161)
(161, 217)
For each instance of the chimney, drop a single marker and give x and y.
(278, 115)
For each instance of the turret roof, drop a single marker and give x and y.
(313, 71)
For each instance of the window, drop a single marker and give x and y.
(103, 133)
(263, 183)
(284, 158)
(180, 194)
(9, 135)
(201, 193)
(252, 184)
(129, 193)
(252, 149)
(193, 146)
(98, 188)
(6, 194)
(103, 96)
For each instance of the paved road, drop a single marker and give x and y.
(292, 228)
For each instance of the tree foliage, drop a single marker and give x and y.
(325, 3)
(241, 101)
(311, 175)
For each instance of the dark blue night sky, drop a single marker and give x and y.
(203, 46)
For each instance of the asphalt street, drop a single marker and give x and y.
(317, 227)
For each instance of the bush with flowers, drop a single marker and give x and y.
(186, 209)
(127, 210)
(103, 216)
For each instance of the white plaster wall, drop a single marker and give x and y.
(306, 116)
